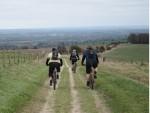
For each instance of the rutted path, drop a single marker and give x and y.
(79, 98)
(48, 106)
(98, 99)
(75, 100)
(49, 101)
(100, 104)
(43, 102)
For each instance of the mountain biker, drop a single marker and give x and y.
(91, 61)
(54, 60)
(74, 57)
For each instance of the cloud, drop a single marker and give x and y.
(61, 13)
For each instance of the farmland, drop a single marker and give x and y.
(130, 53)
(121, 86)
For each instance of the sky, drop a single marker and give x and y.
(73, 13)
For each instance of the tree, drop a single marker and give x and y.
(102, 49)
(79, 49)
(142, 38)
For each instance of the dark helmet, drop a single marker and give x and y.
(89, 48)
(54, 49)
(74, 50)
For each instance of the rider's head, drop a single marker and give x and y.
(74, 50)
(90, 49)
(54, 49)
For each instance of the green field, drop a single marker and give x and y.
(18, 84)
(121, 86)
(130, 53)
(125, 85)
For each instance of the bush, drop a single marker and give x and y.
(102, 49)
(79, 49)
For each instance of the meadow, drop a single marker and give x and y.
(130, 53)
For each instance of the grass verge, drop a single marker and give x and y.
(122, 94)
(18, 84)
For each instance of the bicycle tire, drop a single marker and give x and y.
(54, 85)
(91, 82)
(54, 79)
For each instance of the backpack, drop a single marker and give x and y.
(91, 58)
(74, 56)
(55, 55)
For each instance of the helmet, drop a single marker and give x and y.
(54, 49)
(89, 48)
(74, 50)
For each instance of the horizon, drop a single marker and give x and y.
(77, 28)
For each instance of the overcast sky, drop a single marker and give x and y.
(72, 13)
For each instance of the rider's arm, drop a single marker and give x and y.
(61, 62)
(60, 58)
(83, 58)
(78, 56)
(97, 59)
(48, 58)
(70, 56)
(47, 61)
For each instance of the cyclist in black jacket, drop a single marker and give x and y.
(91, 61)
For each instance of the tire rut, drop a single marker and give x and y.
(49, 104)
(75, 100)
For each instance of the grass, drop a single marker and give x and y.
(132, 71)
(118, 83)
(130, 53)
(122, 95)
(63, 96)
(123, 83)
(18, 84)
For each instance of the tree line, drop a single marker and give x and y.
(141, 38)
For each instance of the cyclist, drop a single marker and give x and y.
(74, 57)
(54, 60)
(91, 61)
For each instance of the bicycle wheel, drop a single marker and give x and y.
(91, 82)
(54, 78)
(73, 68)
(54, 85)
(54, 81)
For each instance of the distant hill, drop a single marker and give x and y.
(51, 37)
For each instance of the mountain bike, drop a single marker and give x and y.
(91, 78)
(54, 78)
(74, 66)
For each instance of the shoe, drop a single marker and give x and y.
(50, 83)
(87, 83)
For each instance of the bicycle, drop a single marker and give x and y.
(74, 66)
(54, 78)
(91, 79)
